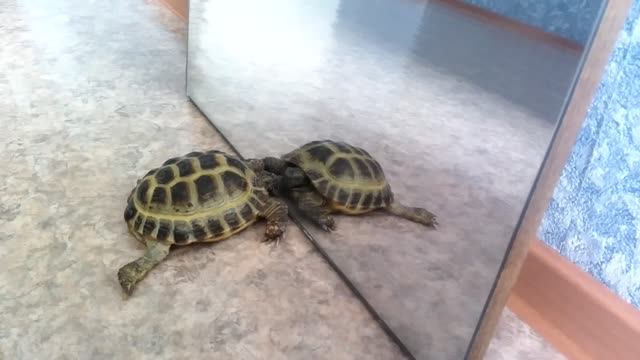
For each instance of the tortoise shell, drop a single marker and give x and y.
(197, 197)
(346, 175)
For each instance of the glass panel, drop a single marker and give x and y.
(443, 105)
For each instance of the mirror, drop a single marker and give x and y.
(456, 101)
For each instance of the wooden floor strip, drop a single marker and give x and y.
(573, 311)
(178, 7)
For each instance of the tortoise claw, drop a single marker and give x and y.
(327, 223)
(273, 242)
(127, 280)
(328, 228)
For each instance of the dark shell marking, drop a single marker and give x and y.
(234, 183)
(347, 175)
(206, 188)
(342, 169)
(164, 230)
(180, 194)
(130, 212)
(321, 153)
(181, 232)
(215, 226)
(200, 196)
(355, 200)
(165, 175)
(143, 192)
(185, 167)
(159, 196)
(149, 226)
(246, 213)
(198, 230)
(208, 161)
(343, 196)
(362, 167)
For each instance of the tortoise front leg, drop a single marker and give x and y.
(130, 274)
(271, 182)
(314, 206)
(276, 213)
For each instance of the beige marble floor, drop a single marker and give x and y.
(91, 96)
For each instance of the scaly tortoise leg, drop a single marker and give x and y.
(257, 165)
(130, 274)
(276, 213)
(271, 182)
(314, 206)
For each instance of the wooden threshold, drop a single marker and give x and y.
(574, 312)
(178, 7)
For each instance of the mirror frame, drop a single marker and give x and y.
(576, 106)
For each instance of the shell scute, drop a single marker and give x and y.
(164, 230)
(159, 196)
(143, 192)
(214, 226)
(320, 153)
(180, 194)
(208, 161)
(185, 167)
(342, 169)
(234, 184)
(206, 188)
(165, 175)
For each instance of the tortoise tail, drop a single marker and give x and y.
(415, 214)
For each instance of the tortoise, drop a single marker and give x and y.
(197, 197)
(325, 176)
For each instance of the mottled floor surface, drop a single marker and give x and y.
(91, 97)
(459, 113)
(514, 340)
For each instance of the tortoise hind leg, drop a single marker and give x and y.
(313, 206)
(415, 214)
(276, 213)
(130, 274)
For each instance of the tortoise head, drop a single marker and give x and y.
(275, 165)
(294, 177)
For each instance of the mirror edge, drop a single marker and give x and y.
(575, 109)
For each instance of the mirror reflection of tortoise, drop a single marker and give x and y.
(325, 177)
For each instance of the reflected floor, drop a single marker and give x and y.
(86, 109)
(427, 91)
